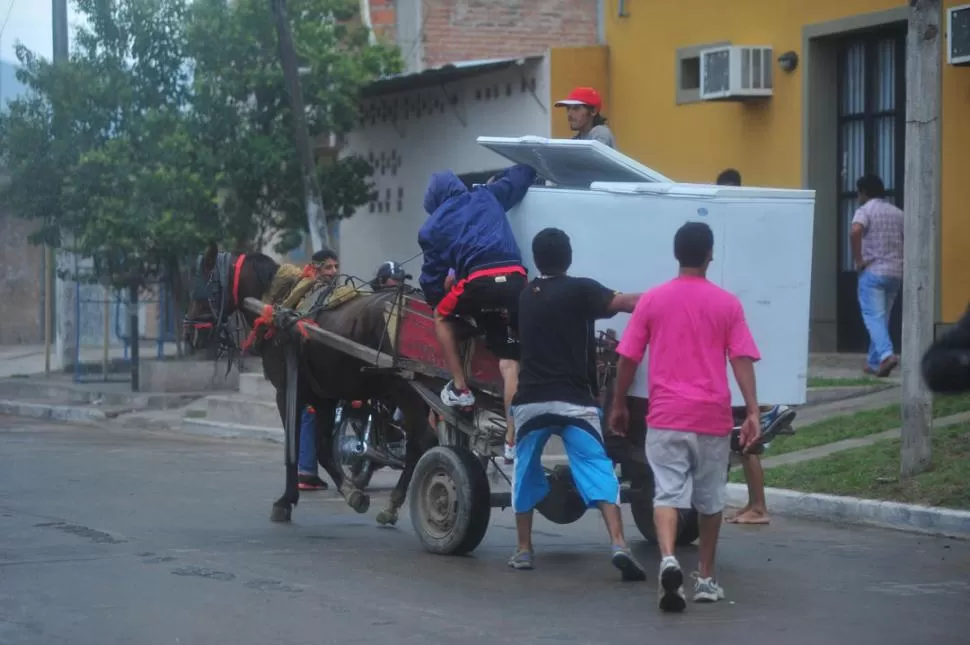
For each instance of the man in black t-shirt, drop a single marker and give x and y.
(557, 394)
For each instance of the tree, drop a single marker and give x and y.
(243, 113)
(169, 126)
(102, 149)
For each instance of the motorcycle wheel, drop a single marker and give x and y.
(358, 471)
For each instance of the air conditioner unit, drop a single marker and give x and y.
(958, 35)
(735, 72)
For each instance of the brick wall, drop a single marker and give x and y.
(458, 30)
(21, 280)
(382, 18)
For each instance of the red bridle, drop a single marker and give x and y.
(237, 270)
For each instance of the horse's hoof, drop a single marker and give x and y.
(281, 514)
(387, 517)
(359, 501)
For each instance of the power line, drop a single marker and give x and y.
(7, 17)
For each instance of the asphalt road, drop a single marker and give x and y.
(112, 536)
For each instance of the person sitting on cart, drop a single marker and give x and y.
(389, 275)
(325, 265)
(468, 231)
(557, 394)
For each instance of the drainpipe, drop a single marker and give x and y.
(600, 22)
(366, 19)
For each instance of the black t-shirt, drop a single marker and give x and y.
(557, 339)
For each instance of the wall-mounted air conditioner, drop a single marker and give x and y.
(735, 72)
(958, 35)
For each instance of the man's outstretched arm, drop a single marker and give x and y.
(510, 187)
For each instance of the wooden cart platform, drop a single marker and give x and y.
(450, 495)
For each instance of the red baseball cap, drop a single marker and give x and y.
(583, 96)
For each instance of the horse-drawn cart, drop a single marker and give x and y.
(450, 494)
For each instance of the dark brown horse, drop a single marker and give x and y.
(326, 376)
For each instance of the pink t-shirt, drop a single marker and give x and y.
(691, 326)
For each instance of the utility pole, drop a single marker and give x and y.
(316, 218)
(63, 291)
(922, 211)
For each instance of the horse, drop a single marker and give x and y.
(325, 375)
(946, 363)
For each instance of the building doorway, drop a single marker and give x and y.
(871, 130)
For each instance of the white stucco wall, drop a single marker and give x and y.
(415, 147)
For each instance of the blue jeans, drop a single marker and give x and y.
(308, 442)
(877, 293)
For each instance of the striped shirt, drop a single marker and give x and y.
(882, 237)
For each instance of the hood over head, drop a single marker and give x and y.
(442, 187)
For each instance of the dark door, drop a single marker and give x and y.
(872, 103)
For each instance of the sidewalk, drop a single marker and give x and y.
(26, 360)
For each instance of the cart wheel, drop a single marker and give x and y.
(563, 504)
(641, 505)
(689, 528)
(450, 501)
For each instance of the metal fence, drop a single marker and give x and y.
(104, 338)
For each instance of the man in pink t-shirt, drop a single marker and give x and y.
(692, 328)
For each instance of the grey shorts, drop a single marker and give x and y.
(689, 469)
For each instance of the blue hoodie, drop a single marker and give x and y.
(467, 229)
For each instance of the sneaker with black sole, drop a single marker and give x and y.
(672, 598)
(630, 569)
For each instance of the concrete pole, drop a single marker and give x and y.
(65, 292)
(316, 217)
(922, 212)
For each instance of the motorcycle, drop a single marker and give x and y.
(367, 436)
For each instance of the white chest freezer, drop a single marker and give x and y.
(621, 217)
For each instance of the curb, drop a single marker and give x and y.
(221, 430)
(72, 413)
(853, 510)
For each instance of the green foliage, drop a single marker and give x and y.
(241, 102)
(170, 125)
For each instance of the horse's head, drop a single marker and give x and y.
(222, 282)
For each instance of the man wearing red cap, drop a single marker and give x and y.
(583, 107)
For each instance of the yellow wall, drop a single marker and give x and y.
(571, 67)
(763, 139)
(955, 220)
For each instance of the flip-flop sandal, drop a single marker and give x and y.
(762, 521)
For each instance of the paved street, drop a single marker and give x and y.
(112, 536)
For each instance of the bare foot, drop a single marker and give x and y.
(750, 516)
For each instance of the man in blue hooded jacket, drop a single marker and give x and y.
(468, 231)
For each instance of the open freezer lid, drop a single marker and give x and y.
(572, 163)
(704, 191)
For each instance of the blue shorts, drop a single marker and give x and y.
(579, 427)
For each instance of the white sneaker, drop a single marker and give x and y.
(671, 592)
(509, 454)
(706, 589)
(455, 398)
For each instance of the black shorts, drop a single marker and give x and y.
(493, 302)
